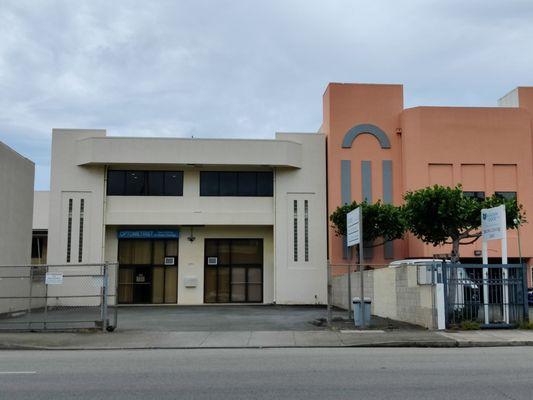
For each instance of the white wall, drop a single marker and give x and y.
(41, 209)
(16, 206)
(302, 282)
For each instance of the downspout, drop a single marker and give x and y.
(274, 245)
(104, 207)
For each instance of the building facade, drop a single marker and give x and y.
(16, 202)
(199, 221)
(193, 221)
(377, 150)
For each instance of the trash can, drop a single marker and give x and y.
(356, 301)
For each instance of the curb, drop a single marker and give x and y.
(414, 344)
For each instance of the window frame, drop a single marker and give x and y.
(256, 192)
(146, 191)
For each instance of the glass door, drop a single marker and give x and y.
(233, 271)
(148, 271)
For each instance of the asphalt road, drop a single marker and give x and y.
(474, 373)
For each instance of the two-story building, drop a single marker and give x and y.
(193, 221)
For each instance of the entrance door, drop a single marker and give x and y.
(148, 271)
(233, 271)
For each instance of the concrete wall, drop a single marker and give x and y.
(16, 205)
(41, 209)
(394, 293)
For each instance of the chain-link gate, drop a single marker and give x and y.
(493, 295)
(57, 297)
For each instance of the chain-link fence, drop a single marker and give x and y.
(57, 297)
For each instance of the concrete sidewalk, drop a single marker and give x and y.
(261, 339)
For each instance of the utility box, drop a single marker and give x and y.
(357, 314)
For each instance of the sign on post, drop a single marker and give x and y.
(494, 227)
(493, 223)
(353, 229)
(354, 235)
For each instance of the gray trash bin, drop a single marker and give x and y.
(356, 301)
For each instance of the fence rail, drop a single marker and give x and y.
(56, 297)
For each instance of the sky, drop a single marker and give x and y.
(246, 68)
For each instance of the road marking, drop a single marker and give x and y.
(361, 331)
(17, 372)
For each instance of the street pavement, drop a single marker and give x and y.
(318, 373)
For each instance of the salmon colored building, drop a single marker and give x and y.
(378, 150)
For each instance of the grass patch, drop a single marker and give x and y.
(526, 325)
(469, 326)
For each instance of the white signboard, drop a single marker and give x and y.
(353, 228)
(493, 223)
(53, 279)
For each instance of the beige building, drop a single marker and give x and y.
(16, 202)
(192, 221)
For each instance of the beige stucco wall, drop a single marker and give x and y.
(16, 205)
(41, 209)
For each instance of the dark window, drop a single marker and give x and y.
(156, 183)
(209, 183)
(116, 183)
(144, 183)
(506, 195)
(228, 183)
(174, 183)
(135, 183)
(247, 184)
(242, 183)
(479, 196)
(265, 184)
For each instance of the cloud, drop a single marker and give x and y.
(241, 68)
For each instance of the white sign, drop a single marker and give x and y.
(53, 279)
(493, 223)
(353, 228)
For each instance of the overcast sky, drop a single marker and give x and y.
(241, 68)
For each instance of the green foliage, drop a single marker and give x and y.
(439, 215)
(379, 221)
(526, 325)
(470, 325)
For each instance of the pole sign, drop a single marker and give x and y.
(493, 223)
(353, 227)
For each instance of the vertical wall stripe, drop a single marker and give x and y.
(346, 196)
(346, 179)
(366, 194)
(388, 248)
(366, 181)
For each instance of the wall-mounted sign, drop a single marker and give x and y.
(53, 279)
(149, 234)
(493, 223)
(212, 260)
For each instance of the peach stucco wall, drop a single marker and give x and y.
(485, 149)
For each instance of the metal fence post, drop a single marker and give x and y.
(350, 316)
(524, 290)
(45, 299)
(329, 289)
(30, 295)
(446, 305)
(104, 297)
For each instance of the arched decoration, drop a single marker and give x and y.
(365, 128)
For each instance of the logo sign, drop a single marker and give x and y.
(148, 234)
(493, 223)
(353, 228)
(53, 279)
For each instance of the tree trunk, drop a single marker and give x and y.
(453, 284)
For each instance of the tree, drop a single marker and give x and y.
(440, 215)
(380, 220)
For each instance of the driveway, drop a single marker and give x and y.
(220, 318)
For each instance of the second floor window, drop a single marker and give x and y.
(144, 183)
(506, 195)
(241, 183)
(479, 196)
